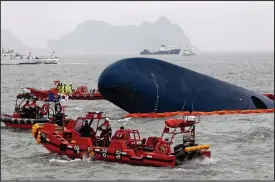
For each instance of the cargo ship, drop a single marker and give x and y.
(164, 50)
(146, 85)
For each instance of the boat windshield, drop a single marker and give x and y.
(78, 125)
(81, 122)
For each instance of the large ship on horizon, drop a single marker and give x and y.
(164, 50)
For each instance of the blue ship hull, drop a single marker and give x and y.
(145, 85)
(173, 51)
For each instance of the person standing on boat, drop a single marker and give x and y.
(71, 85)
(119, 134)
(26, 108)
(87, 131)
(69, 89)
(57, 107)
(106, 132)
(93, 92)
(64, 88)
(60, 88)
(59, 116)
(33, 109)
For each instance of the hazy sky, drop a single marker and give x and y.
(211, 26)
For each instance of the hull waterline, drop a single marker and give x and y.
(145, 85)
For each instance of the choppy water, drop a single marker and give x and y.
(242, 145)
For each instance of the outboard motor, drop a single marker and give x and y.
(179, 152)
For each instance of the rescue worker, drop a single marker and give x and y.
(69, 89)
(119, 134)
(106, 132)
(59, 116)
(60, 88)
(26, 108)
(71, 85)
(33, 109)
(93, 92)
(65, 88)
(85, 130)
(57, 107)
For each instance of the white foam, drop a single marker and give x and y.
(63, 160)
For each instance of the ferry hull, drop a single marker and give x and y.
(145, 85)
(50, 61)
(174, 51)
(20, 61)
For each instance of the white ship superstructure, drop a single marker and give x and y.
(51, 59)
(9, 56)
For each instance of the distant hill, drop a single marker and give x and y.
(10, 41)
(101, 37)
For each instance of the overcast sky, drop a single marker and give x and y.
(211, 26)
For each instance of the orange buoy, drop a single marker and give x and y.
(186, 113)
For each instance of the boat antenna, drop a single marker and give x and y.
(183, 107)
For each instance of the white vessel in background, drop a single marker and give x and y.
(51, 59)
(9, 56)
(187, 52)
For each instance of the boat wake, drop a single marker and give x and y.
(78, 108)
(63, 160)
(75, 63)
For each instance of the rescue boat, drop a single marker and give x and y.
(126, 145)
(80, 93)
(42, 112)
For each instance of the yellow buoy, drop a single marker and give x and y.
(195, 148)
(35, 126)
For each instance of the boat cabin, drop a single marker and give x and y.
(87, 126)
(82, 89)
(28, 106)
(93, 120)
(183, 126)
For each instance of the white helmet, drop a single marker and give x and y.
(107, 119)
